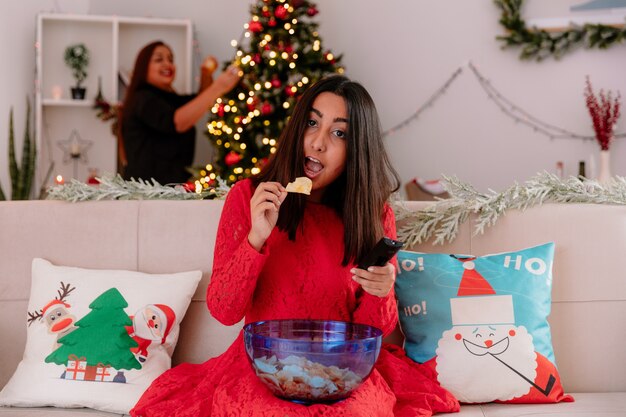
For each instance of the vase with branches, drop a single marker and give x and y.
(604, 110)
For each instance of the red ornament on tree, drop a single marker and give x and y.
(255, 26)
(276, 82)
(289, 90)
(266, 108)
(232, 158)
(220, 110)
(312, 11)
(281, 12)
(266, 13)
(257, 58)
(289, 48)
(271, 22)
(262, 162)
(252, 104)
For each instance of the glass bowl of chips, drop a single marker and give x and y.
(311, 361)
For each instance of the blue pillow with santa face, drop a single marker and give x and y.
(481, 323)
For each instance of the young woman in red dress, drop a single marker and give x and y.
(292, 256)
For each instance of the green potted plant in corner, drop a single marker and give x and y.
(22, 175)
(77, 58)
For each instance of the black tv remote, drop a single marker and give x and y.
(381, 253)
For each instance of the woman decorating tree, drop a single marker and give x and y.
(281, 255)
(157, 123)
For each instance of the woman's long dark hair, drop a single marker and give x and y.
(140, 73)
(359, 194)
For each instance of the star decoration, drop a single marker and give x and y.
(75, 148)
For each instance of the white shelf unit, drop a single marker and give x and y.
(113, 43)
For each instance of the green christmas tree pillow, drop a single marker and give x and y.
(97, 338)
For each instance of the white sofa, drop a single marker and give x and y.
(589, 300)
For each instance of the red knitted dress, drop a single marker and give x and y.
(290, 279)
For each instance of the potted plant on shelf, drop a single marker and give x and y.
(77, 58)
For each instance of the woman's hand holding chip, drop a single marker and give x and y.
(264, 206)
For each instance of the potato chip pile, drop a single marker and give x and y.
(299, 378)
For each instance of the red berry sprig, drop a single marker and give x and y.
(604, 114)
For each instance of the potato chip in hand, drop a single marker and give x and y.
(301, 185)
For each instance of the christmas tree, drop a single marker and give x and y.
(280, 56)
(101, 336)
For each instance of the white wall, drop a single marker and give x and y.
(17, 47)
(402, 51)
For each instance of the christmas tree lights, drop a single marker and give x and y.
(280, 54)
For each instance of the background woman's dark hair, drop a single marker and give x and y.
(360, 193)
(140, 73)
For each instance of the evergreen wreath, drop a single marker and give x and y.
(539, 44)
(442, 219)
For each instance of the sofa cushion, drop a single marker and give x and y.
(481, 322)
(97, 338)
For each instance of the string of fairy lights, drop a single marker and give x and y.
(254, 100)
(243, 59)
(509, 108)
(429, 103)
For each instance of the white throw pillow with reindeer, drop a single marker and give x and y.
(97, 338)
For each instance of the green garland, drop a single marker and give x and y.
(538, 44)
(442, 219)
(116, 188)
